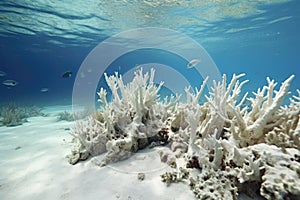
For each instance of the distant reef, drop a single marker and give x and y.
(12, 114)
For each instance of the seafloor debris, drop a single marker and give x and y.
(141, 176)
(224, 142)
(175, 176)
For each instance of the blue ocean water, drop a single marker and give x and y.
(41, 40)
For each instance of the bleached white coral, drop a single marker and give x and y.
(251, 126)
(281, 180)
(221, 98)
(91, 135)
(241, 127)
(211, 184)
(119, 149)
(138, 95)
(281, 174)
(275, 169)
(222, 142)
(130, 122)
(287, 132)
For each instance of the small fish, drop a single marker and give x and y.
(10, 83)
(67, 74)
(44, 90)
(193, 63)
(18, 147)
(2, 73)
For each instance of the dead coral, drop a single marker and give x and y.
(224, 145)
(133, 120)
(175, 176)
(213, 185)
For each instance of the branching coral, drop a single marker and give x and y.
(130, 122)
(138, 96)
(217, 130)
(250, 128)
(92, 135)
(287, 132)
(222, 98)
(222, 142)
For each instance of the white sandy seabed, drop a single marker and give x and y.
(34, 167)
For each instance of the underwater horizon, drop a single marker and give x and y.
(41, 41)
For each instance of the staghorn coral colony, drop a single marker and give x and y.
(220, 148)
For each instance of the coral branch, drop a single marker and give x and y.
(221, 147)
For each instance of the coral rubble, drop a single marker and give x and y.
(220, 148)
